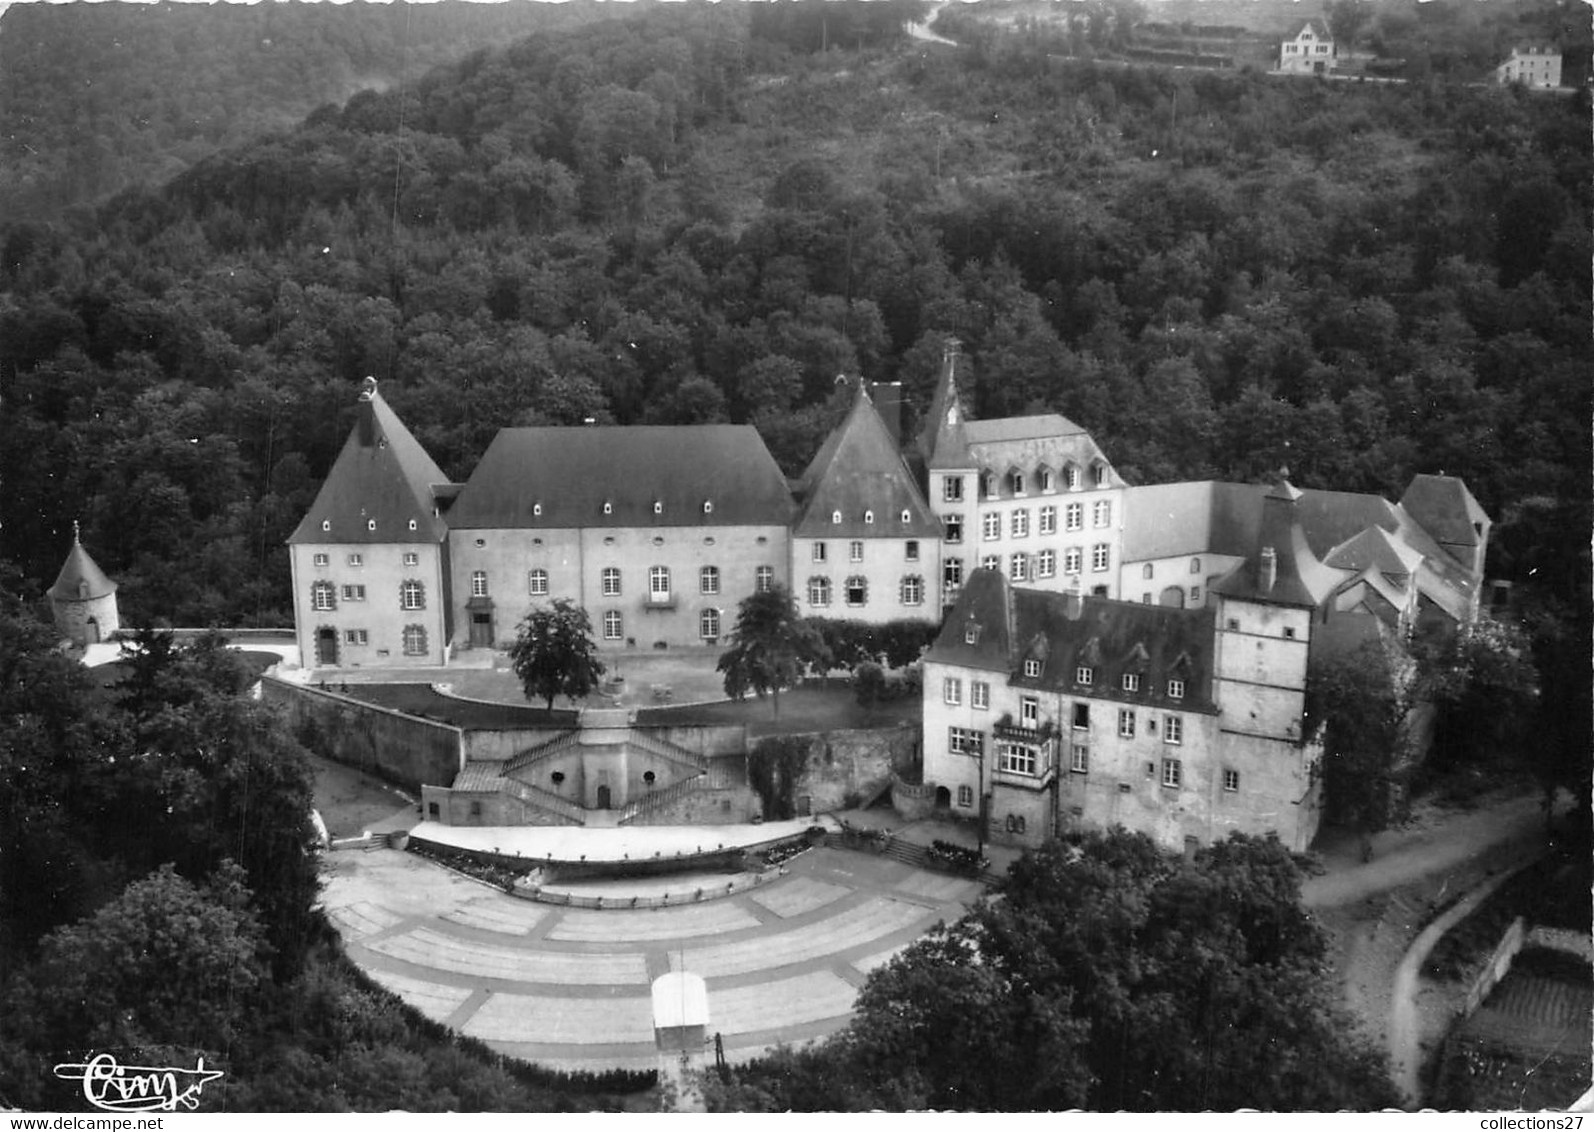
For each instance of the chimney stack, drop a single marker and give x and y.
(1268, 572)
(1073, 602)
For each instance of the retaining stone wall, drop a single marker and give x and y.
(402, 749)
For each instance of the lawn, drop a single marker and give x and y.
(813, 707)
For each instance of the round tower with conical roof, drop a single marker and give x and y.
(83, 599)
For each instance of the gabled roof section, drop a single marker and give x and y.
(984, 613)
(858, 472)
(1374, 549)
(1281, 569)
(636, 476)
(1317, 27)
(382, 476)
(941, 443)
(1154, 642)
(80, 578)
(1446, 509)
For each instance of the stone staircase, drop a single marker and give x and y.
(543, 751)
(544, 800)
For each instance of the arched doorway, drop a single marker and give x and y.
(1172, 596)
(93, 631)
(326, 646)
(943, 798)
(603, 797)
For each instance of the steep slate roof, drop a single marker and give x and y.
(1446, 509)
(1067, 631)
(1317, 27)
(80, 578)
(570, 473)
(1299, 578)
(1374, 549)
(858, 469)
(382, 473)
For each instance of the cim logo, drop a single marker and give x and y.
(109, 1085)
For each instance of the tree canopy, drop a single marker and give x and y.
(554, 654)
(769, 646)
(1108, 976)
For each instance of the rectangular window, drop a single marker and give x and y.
(1079, 760)
(1195, 595)
(966, 796)
(537, 583)
(1015, 482)
(1071, 559)
(659, 583)
(356, 637)
(611, 581)
(1081, 717)
(857, 590)
(411, 558)
(855, 550)
(910, 550)
(1100, 555)
(708, 624)
(613, 626)
(323, 559)
(353, 593)
(952, 489)
(1019, 567)
(1172, 772)
(991, 562)
(1084, 674)
(819, 591)
(1074, 517)
(1029, 712)
(980, 694)
(1176, 689)
(356, 560)
(412, 596)
(1131, 681)
(1046, 564)
(1032, 667)
(952, 573)
(1048, 481)
(765, 579)
(415, 640)
(1231, 780)
(1048, 520)
(1017, 758)
(952, 690)
(1172, 729)
(991, 527)
(954, 527)
(708, 580)
(1020, 525)
(912, 590)
(1126, 723)
(1101, 513)
(1289, 632)
(819, 552)
(965, 740)
(478, 583)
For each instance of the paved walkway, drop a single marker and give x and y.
(570, 988)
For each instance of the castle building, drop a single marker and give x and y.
(83, 599)
(865, 545)
(1032, 497)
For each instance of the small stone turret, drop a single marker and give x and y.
(83, 599)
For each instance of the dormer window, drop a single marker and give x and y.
(608, 508)
(1048, 481)
(1015, 481)
(1071, 477)
(971, 633)
(907, 516)
(326, 524)
(1032, 668)
(708, 507)
(658, 508)
(868, 516)
(1084, 674)
(370, 524)
(1098, 474)
(835, 517)
(536, 509)
(1176, 689)
(1131, 681)
(988, 484)
(412, 524)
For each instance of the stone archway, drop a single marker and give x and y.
(943, 798)
(604, 800)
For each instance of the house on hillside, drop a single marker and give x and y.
(1531, 65)
(1309, 51)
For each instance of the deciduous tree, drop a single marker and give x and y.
(769, 646)
(554, 653)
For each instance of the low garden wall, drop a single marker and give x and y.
(402, 749)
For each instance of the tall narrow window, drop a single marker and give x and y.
(951, 572)
(952, 489)
(819, 552)
(708, 580)
(952, 690)
(611, 581)
(709, 624)
(912, 590)
(415, 640)
(478, 583)
(1020, 523)
(1048, 524)
(537, 583)
(613, 626)
(1126, 723)
(1071, 559)
(412, 595)
(1074, 516)
(1019, 568)
(659, 583)
(991, 527)
(323, 596)
(818, 591)
(855, 551)
(1101, 513)
(1100, 556)
(1172, 729)
(954, 527)
(765, 579)
(1172, 772)
(1046, 564)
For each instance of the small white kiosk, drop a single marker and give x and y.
(680, 1012)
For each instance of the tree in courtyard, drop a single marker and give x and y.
(1361, 698)
(769, 646)
(554, 653)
